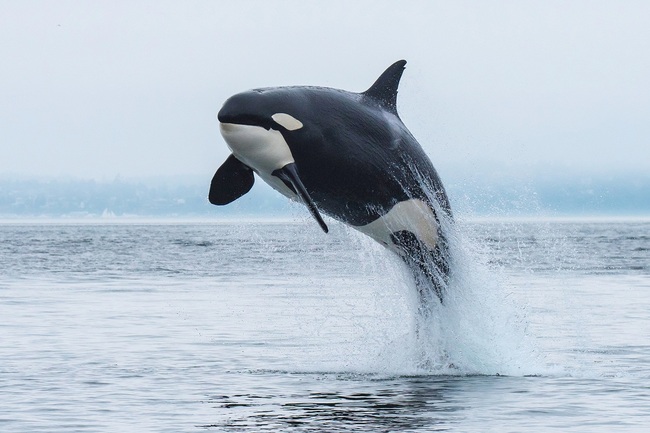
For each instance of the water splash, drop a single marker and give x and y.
(479, 329)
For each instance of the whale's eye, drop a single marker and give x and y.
(287, 120)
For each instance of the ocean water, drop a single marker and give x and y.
(275, 326)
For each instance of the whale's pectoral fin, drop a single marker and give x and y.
(289, 175)
(231, 181)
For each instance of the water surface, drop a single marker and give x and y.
(186, 327)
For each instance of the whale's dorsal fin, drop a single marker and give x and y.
(384, 90)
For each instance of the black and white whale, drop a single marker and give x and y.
(347, 155)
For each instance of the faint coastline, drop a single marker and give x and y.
(475, 197)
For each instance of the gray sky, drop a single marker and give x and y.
(131, 88)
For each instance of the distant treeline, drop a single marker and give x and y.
(75, 198)
(566, 195)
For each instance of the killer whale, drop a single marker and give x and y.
(347, 155)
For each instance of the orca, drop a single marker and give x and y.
(344, 154)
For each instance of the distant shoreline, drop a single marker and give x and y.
(258, 219)
(479, 198)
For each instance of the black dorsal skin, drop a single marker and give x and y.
(384, 90)
(353, 155)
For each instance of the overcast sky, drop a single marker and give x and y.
(131, 88)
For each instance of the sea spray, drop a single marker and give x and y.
(481, 329)
(477, 329)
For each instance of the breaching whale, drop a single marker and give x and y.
(347, 155)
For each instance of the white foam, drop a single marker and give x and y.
(480, 329)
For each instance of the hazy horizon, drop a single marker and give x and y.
(500, 195)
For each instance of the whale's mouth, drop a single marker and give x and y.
(227, 128)
(247, 120)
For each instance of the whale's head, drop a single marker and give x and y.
(254, 124)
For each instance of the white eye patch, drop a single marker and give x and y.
(287, 120)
